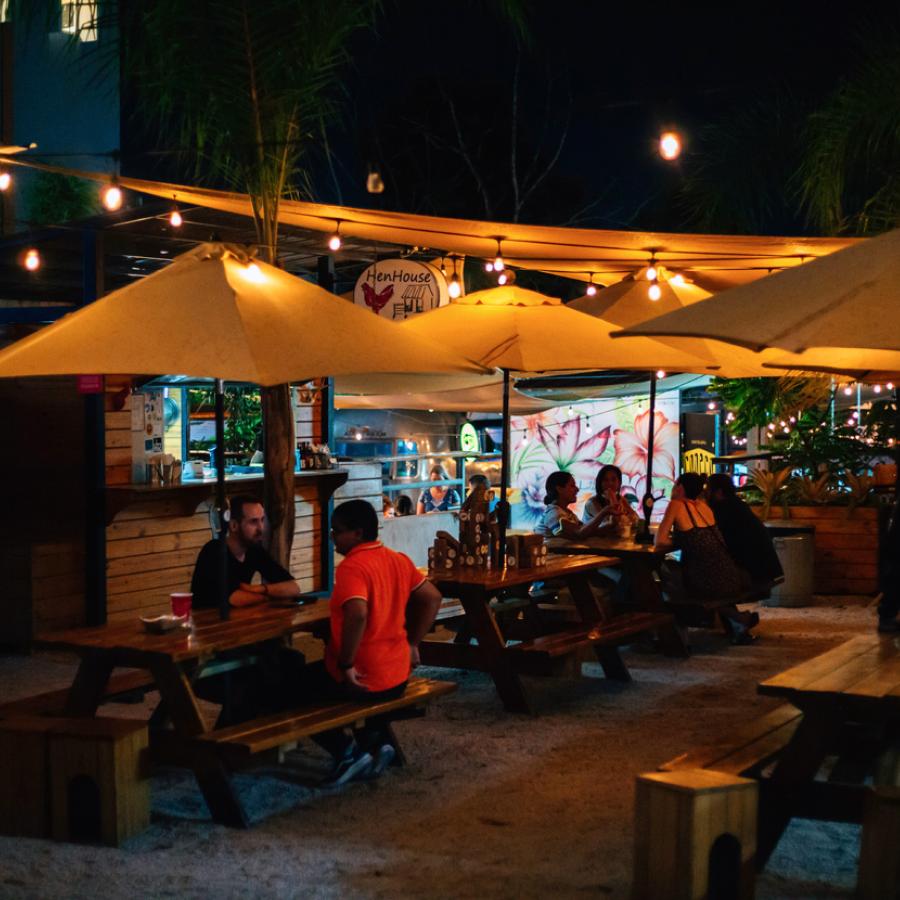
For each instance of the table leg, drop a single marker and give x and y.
(646, 594)
(218, 791)
(796, 767)
(493, 652)
(594, 612)
(89, 686)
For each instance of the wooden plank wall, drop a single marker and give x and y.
(364, 483)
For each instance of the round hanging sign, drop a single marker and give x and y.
(400, 288)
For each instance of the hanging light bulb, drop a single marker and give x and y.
(488, 266)
(660, 373)
(525, 439)
(499, 264)
(335, 242)
(670, 145)
(5, 181)
(454, 289)
(677, 279)
(591, 289)
(374, 183)
(111, 196)
(587, 425)
(848, 390)
(443, 267)
(175, 218)
(890, 385)
(652, 272)
(502, 278)
(654, 292)
(32, 259)
(570, 411)
(711, 406)
(877, 388)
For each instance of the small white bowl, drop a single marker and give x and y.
(161, 624)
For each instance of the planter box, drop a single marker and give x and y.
(846, 558)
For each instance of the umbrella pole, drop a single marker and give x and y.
(503, 506)
(222, 586)
(647, 502)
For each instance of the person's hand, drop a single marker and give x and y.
(254, 588)
(414, 658)
(352, 676)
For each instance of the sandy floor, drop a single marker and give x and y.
(492, 804)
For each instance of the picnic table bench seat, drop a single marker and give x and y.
(698, 611)
(750, 747)
(237, 745)
(537, 656)
(50, 703)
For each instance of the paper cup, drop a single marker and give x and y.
(181, 604)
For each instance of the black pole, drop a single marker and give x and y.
(222, 586)
(647, 502)
(503, 506)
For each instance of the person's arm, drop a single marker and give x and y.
(664, 534)
(575, 530)
(277, 581)
(248, 595)
(356, 614)
(420, 506)
(421, 609)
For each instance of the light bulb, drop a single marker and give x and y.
(489, 267)
(591, 290)
(334, 242)
(851, 421)
(660, 373)
(112, 197)
(792, 419)
(454, 289)
(524, 439)
(655, 292)
(677, 279)
(32, 260)
(571, 411)
(5, 181)
(787, 430)
(890, 385)
(669, 145)
(848, 390)
(499, 265)
(358, 436)
(877, 388)
(587, 426)
(175, 219)
(652, 273)
(502, 278)
(711, 407)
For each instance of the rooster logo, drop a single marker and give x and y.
(376, 300)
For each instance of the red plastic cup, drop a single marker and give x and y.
(181, 604)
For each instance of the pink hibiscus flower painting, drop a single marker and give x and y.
(632, 447)
(573, 449)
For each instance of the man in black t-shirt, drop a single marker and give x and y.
(246, 557)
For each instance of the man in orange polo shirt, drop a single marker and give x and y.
(381, 608)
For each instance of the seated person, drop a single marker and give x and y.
(246, 557)
(481, 481)
(245, 692)
(436, 498)
(707, 570)
(387, 507)
(558, 520)
(747, 538)
(404, 506)
(608, 496)
(890, 578)
(381, 608)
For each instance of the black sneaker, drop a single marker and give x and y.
(888, 626)
(353, 766)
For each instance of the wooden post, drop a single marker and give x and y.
(503, 505)
(695, 835)
(647, 501)
(879, 861)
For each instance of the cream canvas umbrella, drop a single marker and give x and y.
(514, 329)
(217, 312)
(846, 300)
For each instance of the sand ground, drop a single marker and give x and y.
(492, 804)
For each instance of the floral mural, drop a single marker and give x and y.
(583, 437)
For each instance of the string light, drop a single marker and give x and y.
(502, 278)
(670, 145)
(32, 259)
(660, 373)
(654, 292)
(877, 389)
(711, 406)
(587, 425)
(334, 242)
(488, 266)
(5, 181)
(111, 196)
(677, 279)
(570, 411)
(454, 289)
(175, 218)
(591, 289)
(848, 390)
(499, 264)
(890, 385)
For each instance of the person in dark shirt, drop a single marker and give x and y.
(748, 540)
(889, 605)
(246, 557)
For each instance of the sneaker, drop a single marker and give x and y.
(354, 765)
(383, 758)
(888, 626)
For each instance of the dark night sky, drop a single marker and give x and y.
(629, 70)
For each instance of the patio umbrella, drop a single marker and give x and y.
(846, 300)
(514, 329)
(218, 312)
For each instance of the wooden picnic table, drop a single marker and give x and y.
(598, 626)
(855, 684)
(176, 660)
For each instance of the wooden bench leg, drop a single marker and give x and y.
(646, 594)
(89, 686)
(218, 791)
(613, 666)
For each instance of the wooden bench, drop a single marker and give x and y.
(749, 748)
(538, 656)
(700, 612)
(237, 745)
(52, 703)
